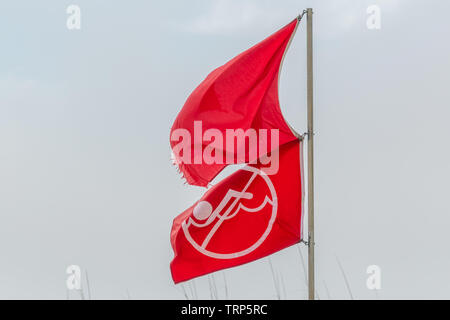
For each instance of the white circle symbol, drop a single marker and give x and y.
(202, 210)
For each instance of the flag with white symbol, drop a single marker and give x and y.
(248, 215)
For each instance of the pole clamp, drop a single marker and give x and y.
(307, 134)
(300, 16)
(307, 243)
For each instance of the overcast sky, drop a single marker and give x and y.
(85, 175)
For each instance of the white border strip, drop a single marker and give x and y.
(302, 181)
(295, 133)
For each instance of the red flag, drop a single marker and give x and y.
(242, 94)
(246, 216)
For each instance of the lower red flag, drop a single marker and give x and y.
(244, 217)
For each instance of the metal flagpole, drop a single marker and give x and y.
(309, 61)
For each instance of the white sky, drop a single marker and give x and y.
(85, 176)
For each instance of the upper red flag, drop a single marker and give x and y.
(246, 216)
(241, 94)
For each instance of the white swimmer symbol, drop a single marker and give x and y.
(204, 211)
